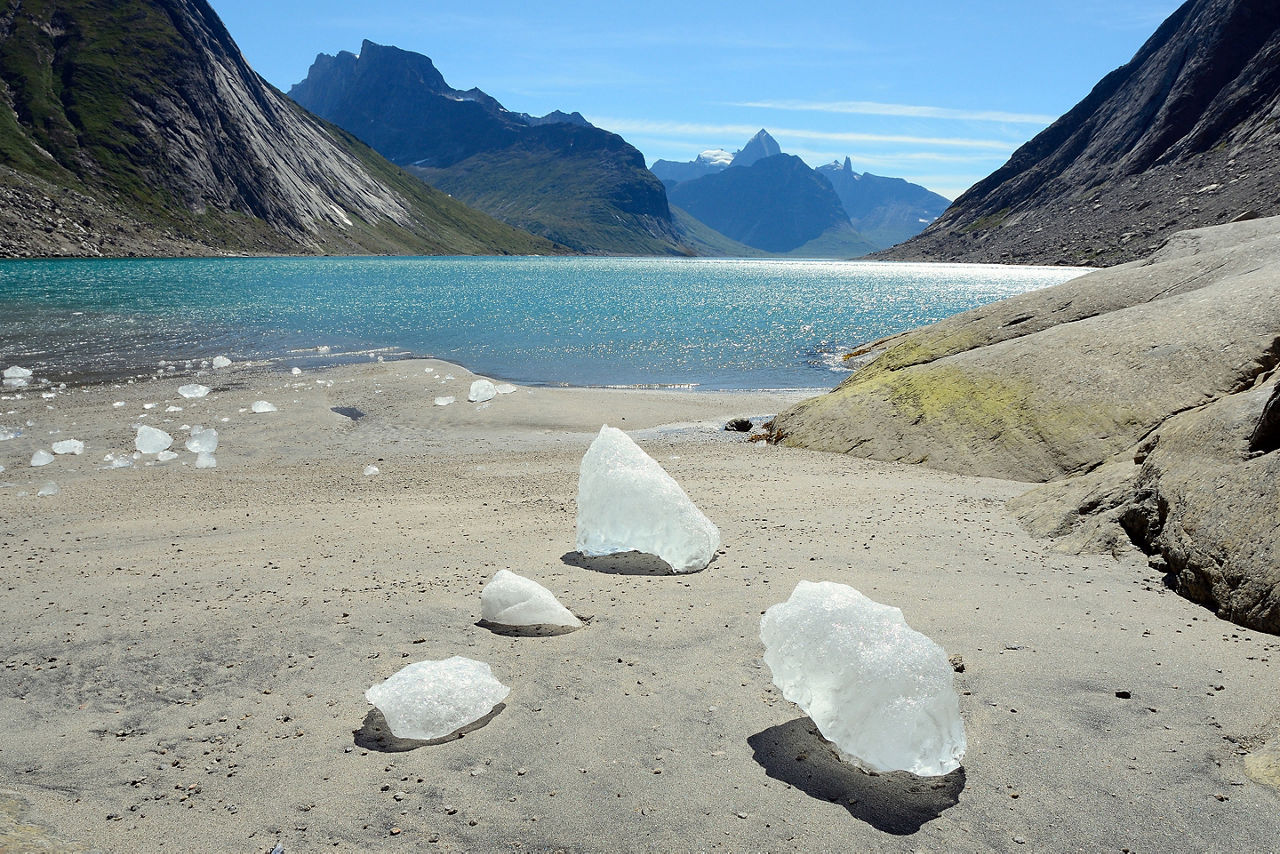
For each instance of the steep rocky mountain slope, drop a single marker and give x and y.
(883, 210)
(556, 176)
(1182, 136)
(136, 127)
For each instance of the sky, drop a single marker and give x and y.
(939, 92)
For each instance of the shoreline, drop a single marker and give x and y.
(186, 650)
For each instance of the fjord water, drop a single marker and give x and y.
(712, 323)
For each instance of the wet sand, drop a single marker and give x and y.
(185, 651)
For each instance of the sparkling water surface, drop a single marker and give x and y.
(709, 323)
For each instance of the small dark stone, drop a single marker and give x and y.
(957, 663)
(1124, 695)
(739, 425)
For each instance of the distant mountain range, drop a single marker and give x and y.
(777, 203)
(1184, 135)
(136, 127)
(555, 176)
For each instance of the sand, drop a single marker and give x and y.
(185, 652)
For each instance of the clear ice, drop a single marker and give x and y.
(482, 390)
(68, 446)
(513, 600)
(204, 440)
(49, 488)
(627, 502)
(41, 458)
(445, 401)
(221, 362)
(504, 388)
(431, 699)
(880, 691)
(152, 440)
(206, 460)
(193, 390)
(264, 406)
(17, 372)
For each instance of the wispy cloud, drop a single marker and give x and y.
(728, 133)
(874, 108)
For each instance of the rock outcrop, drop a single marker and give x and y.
(148, 109)
(1146, 392)
(1183, 136)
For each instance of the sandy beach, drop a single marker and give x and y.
(185, 651)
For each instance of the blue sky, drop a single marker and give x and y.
(936, 91)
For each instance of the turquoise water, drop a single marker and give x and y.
(721, 324)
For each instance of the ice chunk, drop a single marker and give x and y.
(880, 691)
(627, 502)
(445, 401)
(173, 409)
(504, 388)
(221, 362)
(370, 471)
(68, 446)
(482, 390)
(152, 440)
(206, 460)
(47, 489)
(17, 372)
(431, 699)
(264, 406)
(297, 372)
(7, 433)
(204, 440)
(513, 600)
(166, 456)
(41, 458)
(193, 390)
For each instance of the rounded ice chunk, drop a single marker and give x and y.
(41, 458)
(221, 362)
(880, 691)
(370, 471)
(68, 446)
(152, 440)
(193, 390)
(482, 390)
(628, 502)
(445, 401)
(264, 406)
(204, 440)
(513, 600)
(431, 699)
(297, 372)
(49, 488)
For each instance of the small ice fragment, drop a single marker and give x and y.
(445, 401)
(1, 468)
(15, 382)
(370, 471)
(513, 600)
(68, 446)
(880, 691)
(7, 433)
(17, 372)
(221, 362)
(173, 409)
(323, 348)
(41, 458)
(297, 372)
(430, 699)
(166, 456)
(429, 370)
(125, 462)
(204, 440)
(205, 460)
(263, 406)
(628, 502)
(482, 390)
(504, 388)
(193, 390)
(49, 488)
(152, 440)
(118, 404)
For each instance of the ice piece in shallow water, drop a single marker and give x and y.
(880, 691)
(193, 390)
(504, 388)
(513, 600)
(431, 699)
(204, 440)
(628, 502)
(263, 406)
(68, 446)
(370, 471)
(482, 390)
(41, 458)
(17, 372)
(49, 488)
(206, 460)
(445, 401)
(152, 440)
(221, 362)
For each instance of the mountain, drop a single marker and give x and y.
(136, 127)
(1182, 136)
(777, 204)
(558, 176)
(757, 148)
(883, 210)
(672, 172)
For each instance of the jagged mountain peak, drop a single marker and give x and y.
(759, 147)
